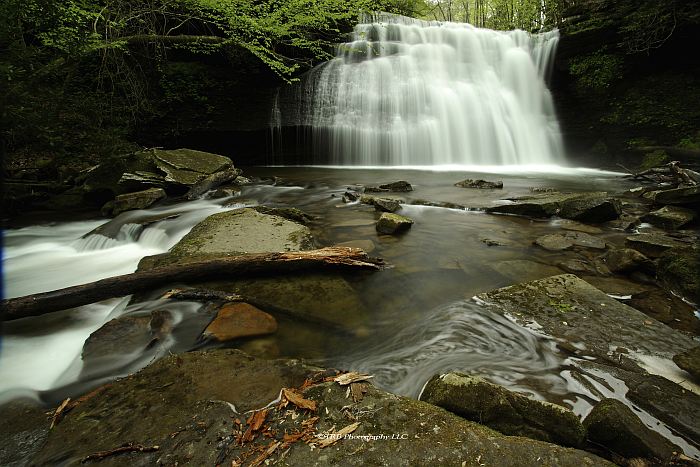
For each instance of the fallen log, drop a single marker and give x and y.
(248, 265)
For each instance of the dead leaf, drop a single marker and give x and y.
(358, 391)
(255, 421)
(265, 454)
(58, 414)
(352, 377)
(298, 400)
(335, 437)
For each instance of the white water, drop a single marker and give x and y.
(408, 92)
(43, 353)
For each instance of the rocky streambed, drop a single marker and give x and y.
(511, 308)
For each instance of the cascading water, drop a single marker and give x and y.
(409, 92)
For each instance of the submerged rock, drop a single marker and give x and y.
(198, 396)
(670, 217)
(627, 260)
(137, 200)
(595, 207)
(292, 214)
(612, 424)
(399, 186)
(689, 361)
(510, 413)
(481, 184)
(393, 223)
(236, 320)
(521, 270)
(679, 269)
(557, 242)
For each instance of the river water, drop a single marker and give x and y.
(414, 320)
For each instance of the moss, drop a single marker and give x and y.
(596, 71)
(653, 159)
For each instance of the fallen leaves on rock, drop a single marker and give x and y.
(332, 438)
(298, 400)
(351, 377)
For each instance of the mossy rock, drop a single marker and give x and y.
(679, 269)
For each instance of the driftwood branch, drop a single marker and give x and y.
(248, 265)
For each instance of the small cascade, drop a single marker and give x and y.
(407, 92)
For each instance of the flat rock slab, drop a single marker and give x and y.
(184, 405)
(505, 411)
(652, 244)
(235, 320)
(480, 184)
(592, 207)
(191, 160)
(591, 317)
(399, 186)
(243, 231)
(626, 260)
(567, 224)
(688, 195)
(24, 427)
(137, 200)
(689, 361)
(670, 217)
(558, 242)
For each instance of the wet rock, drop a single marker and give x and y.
(107, 208)
(481, 184)
(652, 244)
(627, 260)
(612, 424)
(367, 245)
(126, 334)
(292, 214)
(382, 204)
(195, 395)
(618, 286)
(687, 195)
(24, 427)
(558, 242)
(679, 269)
(141, 179)
(236, 320)
(241, 231)
(666, 307)
(491, 242)
(521, 270)
(137, 200)
(392, 224)
(567, 224)
(689, 361)
(510, 413)
(442, 204)
(399, 186)
(593, 207)
(576, 266)
(350, 196)
(626, 222)
(225, 192)
(670, 217)
(187, 166)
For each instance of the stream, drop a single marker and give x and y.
(414, 319)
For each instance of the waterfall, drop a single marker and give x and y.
(409, 92)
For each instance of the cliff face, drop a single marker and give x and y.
(626, 75)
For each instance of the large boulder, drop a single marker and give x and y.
(612, 424)
(670, 217)
(399, 186)
(510, 413)
(137, 200)
(594, 207)
(187, 166)
(679, 269)
(685, 195)
(193, 409)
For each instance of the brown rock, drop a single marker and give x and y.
(236, 320)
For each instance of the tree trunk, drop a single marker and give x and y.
(248, 265)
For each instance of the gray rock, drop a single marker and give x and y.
(190, 160)
(399, 186)
(481, 184)
(689, 361)
(652, 244)
(242, 231)
(687, 195)
(510, 413)
(291, 214)
(137, 200)
(627, 260)
(141, 179)
(612, 424)
(195, 395)
(670, 217)
(577, 266)
(382, 204)
(24, 427)
(558, 242)
(225, 192)
(626, 222)
(679, 269)
(567, 224)
(392, 224)
(594, 207)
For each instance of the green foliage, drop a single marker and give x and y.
(690, 142)
(653, 159)
(596, 71)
